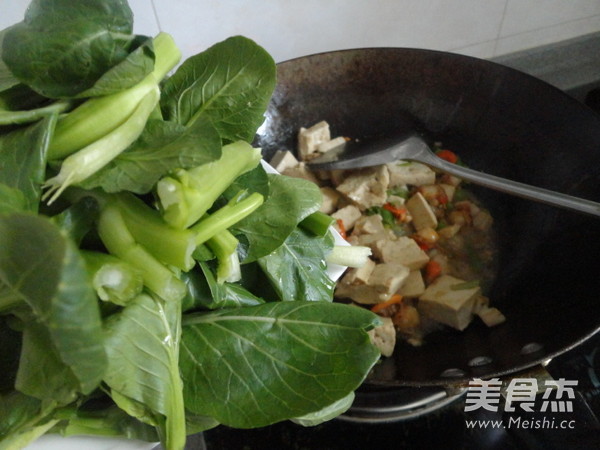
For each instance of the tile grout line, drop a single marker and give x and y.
(500, 26)
(520, 33)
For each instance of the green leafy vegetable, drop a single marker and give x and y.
(162, 147)
(238, 368)
(71, 45)
(290, 201)
(143, 350)
(42, 269)
(23, 159)
(230, 83)
(165, 217)
(296, 269)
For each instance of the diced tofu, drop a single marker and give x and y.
(384, 336)
(366, 187)
(283, 160)
(310, 138)
(413, 286)
(450, 179)
(491, 316)
(374, 241)
(336, 143)
(449, 190)
(383, 282)
(403, 250)
(331, 199)
(396, 200)
(442, 303)
(360, 275)
(372, 224)
(421, 212)
(448, 231)
(349, 214)
(414, 173)
(300, 171)
(337, 176)
(482, 220)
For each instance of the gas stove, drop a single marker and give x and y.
(431, 417)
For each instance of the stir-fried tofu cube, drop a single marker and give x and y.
(366, 187)
(403, 250)
(300, 171)
(449, 190)
(333, 144)
(310, 138)
(372, 224)
(443, 302)
(349, 214)
(413, 173)
(384, 336)
(331, 198)
(413, 286)
(491, 316)
(283, 160)
(421, 212)
(383, 282)
(448, 231)
(482, 220)
(360, 275)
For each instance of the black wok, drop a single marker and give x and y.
(500, 121)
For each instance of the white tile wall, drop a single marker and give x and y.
(290, 28)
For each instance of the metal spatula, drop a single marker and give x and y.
(412, 147)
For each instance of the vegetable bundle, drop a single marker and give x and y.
(155, 280)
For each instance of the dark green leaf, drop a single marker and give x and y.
(254, 366)
(70, 45)
(23, 159)
(42, 374)
(142, 342)
(11, 199)
(230, 84)
(23, 419)
(205, 292)
(7, 79)
(297, 268)
(126, 73)
(163, 146)
(79, 218)
(290, 201)
(44, 269)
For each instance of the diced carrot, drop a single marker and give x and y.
(447, 155)
(342, 228)
(394, 299)
(442, 198)
(398, 212)
(433, 269)
(422, 243)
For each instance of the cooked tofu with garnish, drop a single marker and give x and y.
(431, 241)
(403, 250)
(366, 187)
(421, 212)
(309, 139)
(413, 173)
(349, 214)
(384, 336)
(384, 281)
(283, 160)
(491, 316)
(413, 286)
(331, 199)
(448, 300)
